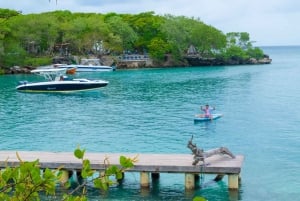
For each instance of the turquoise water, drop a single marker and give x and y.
(152, 110)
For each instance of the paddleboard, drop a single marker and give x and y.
(214, 116)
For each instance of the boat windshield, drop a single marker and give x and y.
(49, 77)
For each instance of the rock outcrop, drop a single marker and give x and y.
(195, 60)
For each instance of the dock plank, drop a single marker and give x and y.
(160, 163)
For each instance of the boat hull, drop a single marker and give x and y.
(80, 68)
(62, 86)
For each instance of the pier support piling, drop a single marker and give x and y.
(189, 181)
(233, 181)
(155, 176)
(144, 179)
(64, 178)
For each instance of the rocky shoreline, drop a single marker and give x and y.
(17, 70)
(190, 61)
(200, 61)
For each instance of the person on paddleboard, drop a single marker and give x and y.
(207, 111)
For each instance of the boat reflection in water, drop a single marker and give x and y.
(57, 81)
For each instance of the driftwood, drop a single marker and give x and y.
(200, 154)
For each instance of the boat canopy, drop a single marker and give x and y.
(50, 74)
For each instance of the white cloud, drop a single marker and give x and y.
(268, 22)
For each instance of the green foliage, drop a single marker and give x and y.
(14, 56)
(6, 13)
(240, 47)
(177, 31)
(28, 181)
(2, 71)
(181, 32)
(50, 33)
(256, 53)
(103, 181)
(126, 162)
(235, 53)
(199, 199)
(147, 26)
(122, 29)
(158, 48)
(37, 61)
(240, 39)
(78, 153)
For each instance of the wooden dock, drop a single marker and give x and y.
(147, 163)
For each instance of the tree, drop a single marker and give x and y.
(158, 48)
(181, 32)
(235, 53)
(7, 13)
(84, 32)
(256, 53)
(146, 26)
(124, 31)
(176, 30)
(207, 39)
(240, 39)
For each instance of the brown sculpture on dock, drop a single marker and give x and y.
(200, 154)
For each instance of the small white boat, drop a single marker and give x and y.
(57, 81)
(199, 118)
(92, 65)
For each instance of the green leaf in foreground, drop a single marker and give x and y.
(198, 198)
(79, 153)
(126, 162)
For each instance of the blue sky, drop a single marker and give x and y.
(273, 22)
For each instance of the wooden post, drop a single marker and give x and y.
(155, 181)
(197, 180)
(233, 181)
(144, 179)
(155, 176)
(189, 181)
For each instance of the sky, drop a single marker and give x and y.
(269, 23)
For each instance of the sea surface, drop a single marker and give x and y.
(152, 111)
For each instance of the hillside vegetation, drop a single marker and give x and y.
(34, 39)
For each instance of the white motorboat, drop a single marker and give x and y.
(92, 65)
(57, 81)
